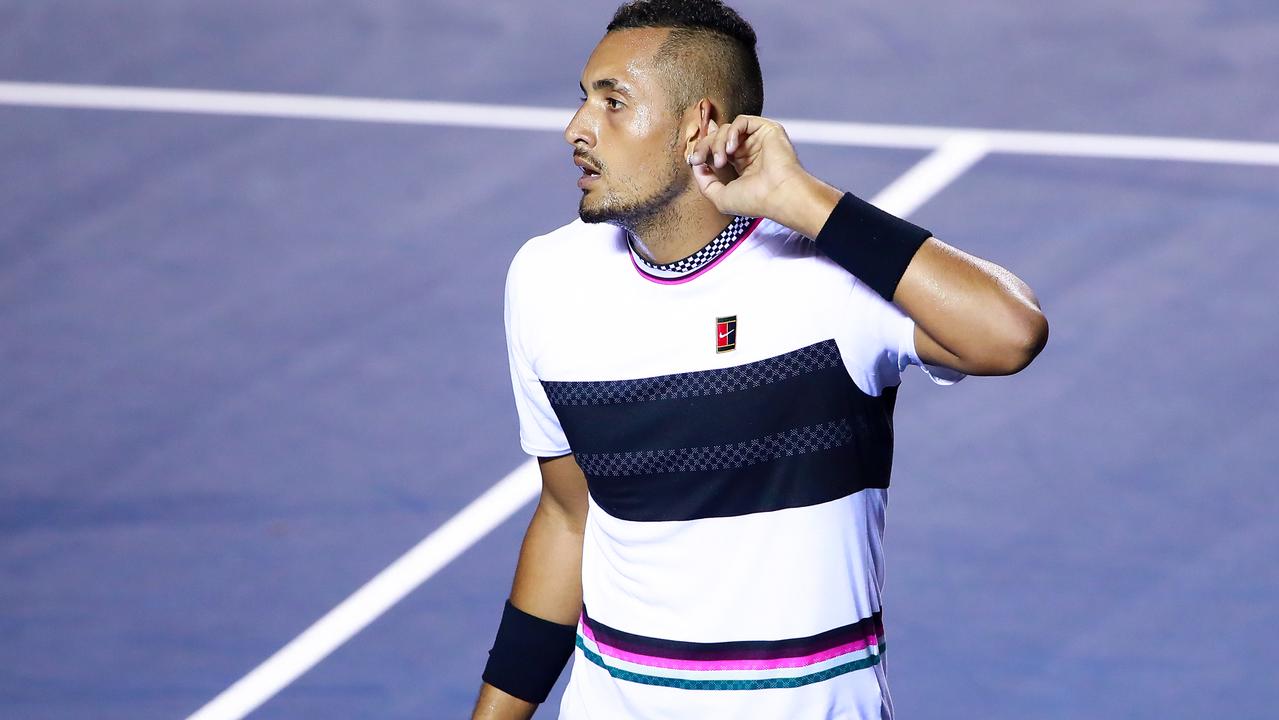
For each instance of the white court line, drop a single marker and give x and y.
(491, 509)
(951, 159)
(311, 107)
(376, 596)
(422, 112)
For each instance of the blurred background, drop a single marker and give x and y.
(246, 362)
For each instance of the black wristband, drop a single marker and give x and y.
(528, 654)
(873, 245)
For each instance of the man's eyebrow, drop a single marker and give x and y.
(607, 84)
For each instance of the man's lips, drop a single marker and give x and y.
(590, 171)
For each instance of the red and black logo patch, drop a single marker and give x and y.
(725, 333)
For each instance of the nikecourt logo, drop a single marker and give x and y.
(726, 333)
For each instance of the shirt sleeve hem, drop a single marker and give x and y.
(537, 451)
(941, 375)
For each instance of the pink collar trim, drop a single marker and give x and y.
(703, 269)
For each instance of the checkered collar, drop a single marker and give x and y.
(698, 260)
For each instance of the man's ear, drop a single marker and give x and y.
(696, 121)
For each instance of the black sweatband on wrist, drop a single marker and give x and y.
(873, 245)
(528, 654)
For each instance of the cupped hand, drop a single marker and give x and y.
(759, 153)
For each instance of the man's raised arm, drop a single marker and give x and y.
(971, 315)
(539, 624)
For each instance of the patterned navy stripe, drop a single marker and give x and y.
(790, 431)
(869, 627)
(795, 441)
(819, 356)
(705, 255)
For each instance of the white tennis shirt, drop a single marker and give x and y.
(732, 413)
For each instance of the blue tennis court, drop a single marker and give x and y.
(251, 344)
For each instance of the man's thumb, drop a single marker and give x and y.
(710, 185)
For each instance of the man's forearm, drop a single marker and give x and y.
(493, 704)
(548, 585)
(548, 578)
(985, 317)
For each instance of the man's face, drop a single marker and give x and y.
(625, 135)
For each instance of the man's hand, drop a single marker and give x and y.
(750, 168)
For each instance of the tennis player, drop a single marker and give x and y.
(705, 364)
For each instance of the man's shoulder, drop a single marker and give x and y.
(574, 242)
(779, 243)
(569, 251)
(782, 240)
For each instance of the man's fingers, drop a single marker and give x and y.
(715, 137)
(704, 147)
(710, 184)
(730, 140)
(719, 144)
(737, 132)
(703, 152)
(733, 141)
(712, 147)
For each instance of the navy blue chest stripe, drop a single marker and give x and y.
(789, 431)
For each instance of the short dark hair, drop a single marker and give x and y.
(710, 46)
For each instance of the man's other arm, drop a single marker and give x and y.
(548, 576)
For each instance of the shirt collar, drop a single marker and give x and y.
(685, 267)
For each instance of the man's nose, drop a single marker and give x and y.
(580, 129)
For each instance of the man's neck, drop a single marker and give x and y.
(687, 225)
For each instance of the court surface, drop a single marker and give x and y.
(251, 345)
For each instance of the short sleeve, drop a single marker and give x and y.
(906, 355)
(540, 432)
(881, 343)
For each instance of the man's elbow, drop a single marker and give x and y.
(1023, 339)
